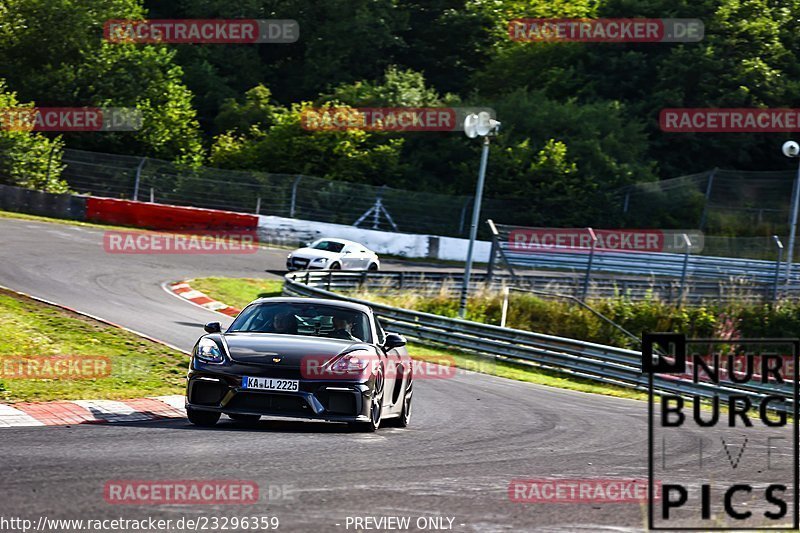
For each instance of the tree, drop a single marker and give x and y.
(75, 67)
(748, 58)
(28, 159)
(560, 162)
(397, 88)
(341, 41)
(283, 146)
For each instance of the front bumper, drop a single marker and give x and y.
(342, 401)
(305, 264)
(311, 267)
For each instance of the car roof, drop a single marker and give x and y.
(341, 241)
(317, 301)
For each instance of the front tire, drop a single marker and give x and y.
(372, 267)
(336, 266)
(405, 416)
(376, 408)
(202, 418)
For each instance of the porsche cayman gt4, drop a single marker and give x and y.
(301, 358)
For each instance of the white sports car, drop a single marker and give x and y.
(333, 254)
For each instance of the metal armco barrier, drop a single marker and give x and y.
(40, 203)
(606, 364)
(651, 264)
(600, 285)
(695, 275)
(122, 212)
(161, 216)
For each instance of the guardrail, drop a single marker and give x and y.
(695, 275)
(600, 286)
(597, 362)
(21, 200)
(651, 264)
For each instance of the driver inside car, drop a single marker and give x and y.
(342, 329)
(283, 322)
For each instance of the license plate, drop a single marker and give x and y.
(291, 385)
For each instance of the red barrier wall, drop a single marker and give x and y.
(160, 216)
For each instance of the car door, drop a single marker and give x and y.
(364, 258)
(350, 257)
(346, 258)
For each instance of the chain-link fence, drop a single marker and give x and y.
(289, 195)
(754, 206)
(739, 212)
(718, 202)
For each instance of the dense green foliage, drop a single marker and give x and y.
(579, 119)
(28, 159)
(74, 67)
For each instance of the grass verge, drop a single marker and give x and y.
(238, 292)
(31, 329)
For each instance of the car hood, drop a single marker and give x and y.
(314, 253)
(261, 348)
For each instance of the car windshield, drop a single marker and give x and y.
(304, 319)
(330, 246)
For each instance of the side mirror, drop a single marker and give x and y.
(213, 327)
(393, 340)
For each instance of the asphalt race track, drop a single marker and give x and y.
(470, 435)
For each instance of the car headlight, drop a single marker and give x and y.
(208, 352)
(319, 260)
(355, 361)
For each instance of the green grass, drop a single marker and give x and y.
(138, 368)
(237, 292)
(241, 291)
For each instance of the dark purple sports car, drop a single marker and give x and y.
(301, 358)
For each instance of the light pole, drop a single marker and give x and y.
(792, 149)
(481, 125)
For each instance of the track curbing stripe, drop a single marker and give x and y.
(184, 290)
(68, 412)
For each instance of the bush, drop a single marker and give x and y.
(28, 159)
